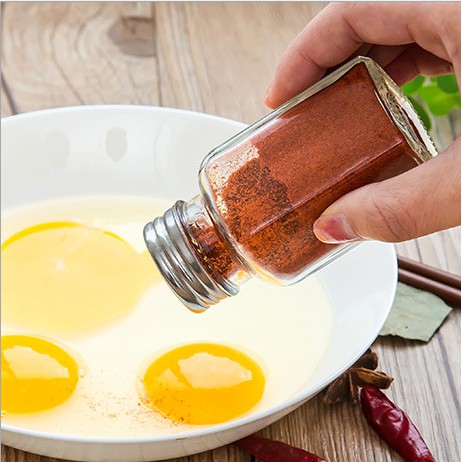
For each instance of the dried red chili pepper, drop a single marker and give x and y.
(276, 451)
(394, 426)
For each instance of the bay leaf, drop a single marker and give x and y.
(415, 314)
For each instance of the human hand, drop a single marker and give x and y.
(406, 39)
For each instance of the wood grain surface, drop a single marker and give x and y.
(218, 58)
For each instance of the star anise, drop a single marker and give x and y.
(361, 373)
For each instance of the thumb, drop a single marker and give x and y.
(418, 202)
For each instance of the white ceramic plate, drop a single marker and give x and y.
(148, 151)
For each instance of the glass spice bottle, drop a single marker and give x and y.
(262, 190)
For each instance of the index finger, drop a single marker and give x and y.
(341, 28)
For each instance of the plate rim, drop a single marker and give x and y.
(296, 400)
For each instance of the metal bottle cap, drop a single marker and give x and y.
(171, 251)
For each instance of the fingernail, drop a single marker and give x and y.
(334, 229)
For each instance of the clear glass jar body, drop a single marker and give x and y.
(262, 190)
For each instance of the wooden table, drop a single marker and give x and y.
(219, 58)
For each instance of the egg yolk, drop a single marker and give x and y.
(36, 374)
(202, 384)
(63, 276)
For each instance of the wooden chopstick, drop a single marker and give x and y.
(440, 283)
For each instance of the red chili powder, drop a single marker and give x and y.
(272, 188)
(213, 251)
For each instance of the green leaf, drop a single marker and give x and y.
(415, 314)
(442, 106)
(433, 95)
(423, 114)
(430, 91)
(439, 103)
(411, 87)
(448, 83)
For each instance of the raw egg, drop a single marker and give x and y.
(64, 276)
(116, 312)
(36, 374)
(202, 384)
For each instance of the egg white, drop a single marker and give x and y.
(286, 330)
